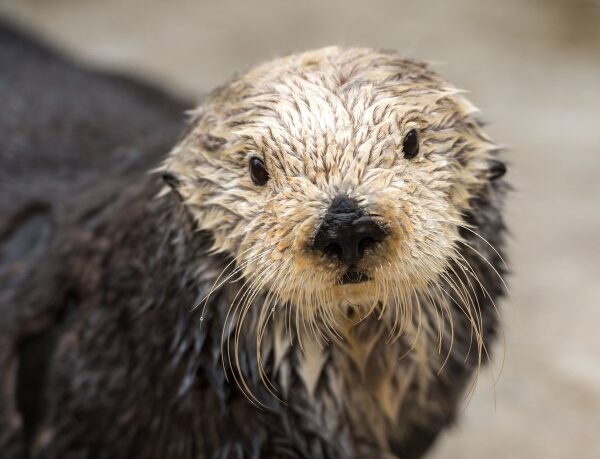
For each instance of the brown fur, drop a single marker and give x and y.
(102, 352)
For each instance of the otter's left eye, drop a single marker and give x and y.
(258, 171)
(410, 145)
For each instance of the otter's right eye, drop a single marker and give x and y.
(258, 171)
(410, 146)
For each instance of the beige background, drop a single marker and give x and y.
(532, 67)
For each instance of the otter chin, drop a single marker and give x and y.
(353, 277)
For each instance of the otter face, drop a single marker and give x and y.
(334, 177)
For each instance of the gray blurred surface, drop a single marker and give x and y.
(534, 70)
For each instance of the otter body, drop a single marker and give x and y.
(135, 328)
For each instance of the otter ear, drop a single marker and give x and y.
(173, 182)
(496, 170)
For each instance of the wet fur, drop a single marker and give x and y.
(133, 371)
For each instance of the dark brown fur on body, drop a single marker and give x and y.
(100, 352)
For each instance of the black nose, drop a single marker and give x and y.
(346, 232)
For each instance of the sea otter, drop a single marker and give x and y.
(312, 271)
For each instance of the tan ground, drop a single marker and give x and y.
(534, 69)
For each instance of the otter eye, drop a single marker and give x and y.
(258, 172)
(410, 145)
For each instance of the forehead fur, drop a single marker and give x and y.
(332, 92)
(332, 98)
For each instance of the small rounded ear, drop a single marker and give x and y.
(173, 182)
(496, 170)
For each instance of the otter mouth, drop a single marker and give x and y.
(353, 277)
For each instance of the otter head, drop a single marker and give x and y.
(334, 177)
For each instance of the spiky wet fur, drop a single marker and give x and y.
(275, 360)
(367, 357)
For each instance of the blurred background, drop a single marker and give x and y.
(533, 67)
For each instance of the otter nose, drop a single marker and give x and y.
(346, 232)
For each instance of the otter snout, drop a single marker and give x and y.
(346, 232)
